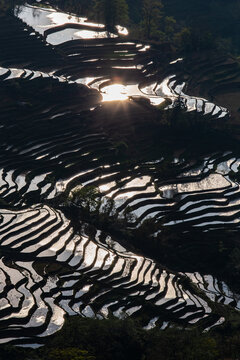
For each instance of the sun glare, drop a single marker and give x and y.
(114, 92)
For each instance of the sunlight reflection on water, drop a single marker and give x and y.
(114, 92)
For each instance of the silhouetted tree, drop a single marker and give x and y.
(112, 13)
(151, 16)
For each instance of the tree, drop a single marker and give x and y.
(112, 13)
(151, 16)
(183, 39)
(8, 5)
(87, 198)
(169, 26)
(80, 7)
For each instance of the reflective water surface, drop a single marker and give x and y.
(69, 156)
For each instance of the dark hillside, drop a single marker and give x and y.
(219, 17)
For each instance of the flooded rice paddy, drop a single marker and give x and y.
(49, 269)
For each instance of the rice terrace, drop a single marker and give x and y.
(119, 175)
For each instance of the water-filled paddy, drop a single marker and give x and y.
(63, 136)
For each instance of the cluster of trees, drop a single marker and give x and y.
(88, 204)
(127, 340)
(146, 19)
(119, 12)
(152, 20)
(218, 17)
(151, 23)
(111, 12)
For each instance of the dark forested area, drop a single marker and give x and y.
(88, 339)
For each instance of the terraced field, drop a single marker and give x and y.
(62, 116)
